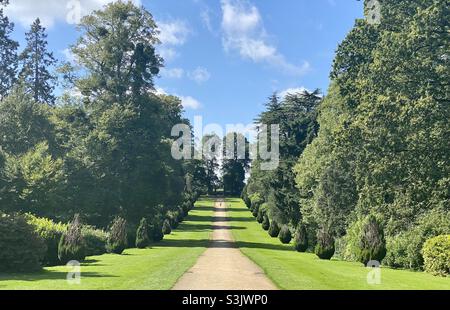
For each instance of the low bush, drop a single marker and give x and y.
(72, 246)
(301, 239)
(266, 222)
(142, 237)
(260, 217)
(325, 245)
(372, 245)
(117, 237)
(285, 235)
(22, 249)
(94, 240)
(436, 255)
(255, 202)
(274, 229)
(51, 232)
(167, 229)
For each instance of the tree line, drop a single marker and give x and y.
(364, 171)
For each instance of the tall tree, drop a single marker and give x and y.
(36, 61)
(118, 49)
(235, 165)
(8, 54)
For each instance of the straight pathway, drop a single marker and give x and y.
(223, 266)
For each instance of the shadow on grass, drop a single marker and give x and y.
(49, 275)
(221, 244)
(204, 227)
(199, 218)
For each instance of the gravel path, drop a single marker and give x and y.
(223, 266)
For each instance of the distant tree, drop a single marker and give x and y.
(234, 166)
(8, 55)
(211, 161)
(35, 62)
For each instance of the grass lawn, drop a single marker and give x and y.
(155, 268)
(301, 271)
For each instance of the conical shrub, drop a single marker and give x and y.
(167, 229)
(266, 222)
(156, 231)
(71, 245)
(285, 235)
(301, 239)
(372, 245)
(117, 238)
(260, 217)
(142, 238)
(325, 245)
(274, 229)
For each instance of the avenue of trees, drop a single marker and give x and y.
(364, 171)
(95, 156)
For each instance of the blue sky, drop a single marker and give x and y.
(223, 58)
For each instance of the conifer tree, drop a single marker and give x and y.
(8, 54)
(35, 62)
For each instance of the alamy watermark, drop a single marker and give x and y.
(74, 275)
(249, 142)
(373, 12)
(374, 275)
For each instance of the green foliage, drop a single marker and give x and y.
(234, 167)
(117, 237)
(372, 245)
(436, 254)
(22, 249)
(72, 246)
(325, 245)
(51, 233)
(9, 59)
(35, 61)
(285, 235)
(274, 229)
(156, 230)
(142, 238)
(260, 216)
(94, 240)
(301, 239)
(167, 229)
(266, 222)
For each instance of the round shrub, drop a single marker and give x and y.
(325, 245)
(167, 230)
(274, 229)
(22, 249)
(285, 235)
(94, 240)
(266, 222)
(142, 238)
(301, 239)
(436, 255)
(51, 232)
(255, 201)
(71, 246)
(117, 238)
(255, 211)
(372, 245)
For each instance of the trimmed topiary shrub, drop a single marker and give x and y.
(167, 230)
(94, 240)
(142, 238)
(156, 233)
(274, 229)
(266, 222)
(260, 217)
(117, 237)
(255, 202)
(301, 239)
(51, 232)
(371, 245)
(285, 235)
(325, 245)
(22, 249)
(71, 246)
(436, 255)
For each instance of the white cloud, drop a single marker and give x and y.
(174, 73)
(200, 75)
(69, 56)
(173, 33)
(205, 15)
(52, 11)
(244, 32)
(292, 91)
(190, 103)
